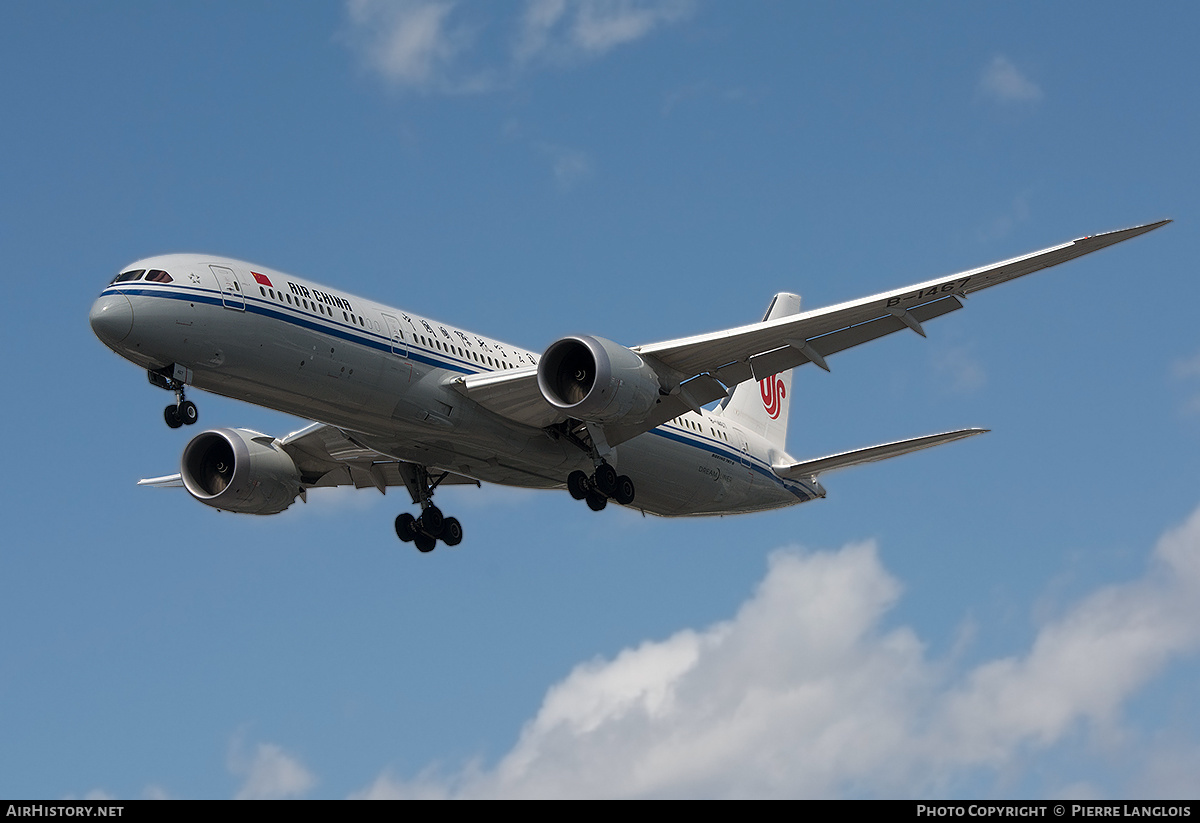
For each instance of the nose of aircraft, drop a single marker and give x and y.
(112, 318)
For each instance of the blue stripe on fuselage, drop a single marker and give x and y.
(713, 447)
(340, 330)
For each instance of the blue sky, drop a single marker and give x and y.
(1015, 615)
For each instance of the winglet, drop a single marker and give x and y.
(1108, 238)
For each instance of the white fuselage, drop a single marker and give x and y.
(386, 375)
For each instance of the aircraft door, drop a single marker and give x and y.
(744, 458)
(232, 296)
(396, 332)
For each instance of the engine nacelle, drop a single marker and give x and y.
(238, 470)
(597, 380)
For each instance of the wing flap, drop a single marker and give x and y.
(512, 394)
(327, 456)
(810, 468)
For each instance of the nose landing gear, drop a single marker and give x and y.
(184, 412)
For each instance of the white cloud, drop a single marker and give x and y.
(1186, 368)
(151, 792)
(444, 45)
(959, 367)
(1003, 224)
(413, 44)
(271, 774)
(806, 692)
(1003, 81)
(569, 166)
(585, 28)
(1174, 763)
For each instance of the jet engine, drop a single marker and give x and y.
(597, 380)
(238, 470)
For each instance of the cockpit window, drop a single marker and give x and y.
(125, 277)
(158, 276)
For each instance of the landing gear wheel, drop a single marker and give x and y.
(406, 527)
(624, 492)
(577, 485)
(451, 532)
(596, 501)
(430, 525)
(431, 521)
(171, 415)
(187, 412)
(606, 479)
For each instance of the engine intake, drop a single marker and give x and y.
(238, 470)
(597, 380)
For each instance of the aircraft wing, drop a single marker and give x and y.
(702, 368)
(766, 348)
(327, 456)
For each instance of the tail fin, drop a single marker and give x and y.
(762, 405)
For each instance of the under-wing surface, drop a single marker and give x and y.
(404, 400)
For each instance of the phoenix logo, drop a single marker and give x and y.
(772, 392)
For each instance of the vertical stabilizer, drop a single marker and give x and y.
(762, 405)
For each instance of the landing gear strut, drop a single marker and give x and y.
(604, 485)
(425, 531)
(183, 412)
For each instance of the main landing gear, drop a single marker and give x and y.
(425, 531)
(604, 485)
(183, 412)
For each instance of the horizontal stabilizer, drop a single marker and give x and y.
(808, 468)
(166, 481)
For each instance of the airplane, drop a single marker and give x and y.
(404, 400)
